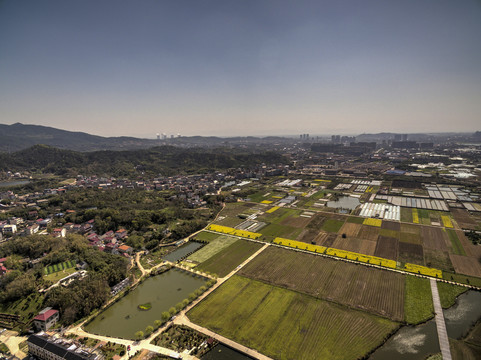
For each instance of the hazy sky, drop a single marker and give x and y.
(241, 67)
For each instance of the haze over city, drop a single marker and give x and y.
(233, 68)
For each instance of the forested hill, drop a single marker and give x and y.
(18, 136)
(165, 160)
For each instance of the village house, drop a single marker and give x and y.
(46, 319)
(59, 232)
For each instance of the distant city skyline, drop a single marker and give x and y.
(236, 68)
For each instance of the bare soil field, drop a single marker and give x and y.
(296, 221)
(327, 239)
(369, 233)
(438, 259)
(387, 248)
(380, 292)
(463, 218)
(350, 229)
(469, 248)
(434, 238)
(466, 265)
(412, 253)
(308, 236)
(368, 247)
(412, 229)
(349, 244)
(391, 225)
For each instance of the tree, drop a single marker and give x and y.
(139, 335)
(179, 307)
(158, 323)
(148, 330)
(165, 316)
(172, 311)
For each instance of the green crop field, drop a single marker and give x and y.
(355, 220)
(382, 291)
(331, 225)
(212, 248)
(418, 306)
(284, 324)
(406, 215)
(448, 293)
(206, 236)
(227, 259)
(457, 247)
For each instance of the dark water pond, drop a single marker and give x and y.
(222, 352)
(123, 319)
(417, 342)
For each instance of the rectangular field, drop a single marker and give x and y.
(284, 324)
(212, 248)
(382, 291)
(227, 259)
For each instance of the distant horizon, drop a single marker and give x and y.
(311, 135)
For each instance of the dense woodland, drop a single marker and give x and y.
(75, 301)
(163, 160)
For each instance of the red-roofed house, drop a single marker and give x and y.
(120, 234)
(124, 249)
(46, 319)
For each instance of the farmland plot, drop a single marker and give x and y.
(212, 248)
(411, 253)
(466, 265)
(434, 238)
(287, 325)
(387, 248)
(377, 291)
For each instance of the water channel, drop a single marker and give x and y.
(417, 342)
(182, 251)
(123, 319)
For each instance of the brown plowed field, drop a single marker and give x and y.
(377, 291)
(391, 225)
(369, 232)
(296, 221)
(350, 229)
(412, 253)
(349, 244)
(327, 239)
(466, 265)
(438, 259)
(468, 246)
(463, 219)
(434, 238)
(387, 248)
(308, 236)
(368, 247)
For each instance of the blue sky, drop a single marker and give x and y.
(244, 67)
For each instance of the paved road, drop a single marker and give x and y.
(12, 341)
(440, 324)
(183, 320)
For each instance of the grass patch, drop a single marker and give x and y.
(284, 324)
(448, 293)
(389, 233)
(145, 307)
(212, 248)
(406, 215)
(56, 276)
(332, 225)
(26, 308)
(206, 236)
(457, 247)
(59, 267)
(418, 305)
(226, 260)
(424, 217)
(355, 220)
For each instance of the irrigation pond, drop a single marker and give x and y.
(124, 318)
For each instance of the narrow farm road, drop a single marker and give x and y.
(440, 324)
